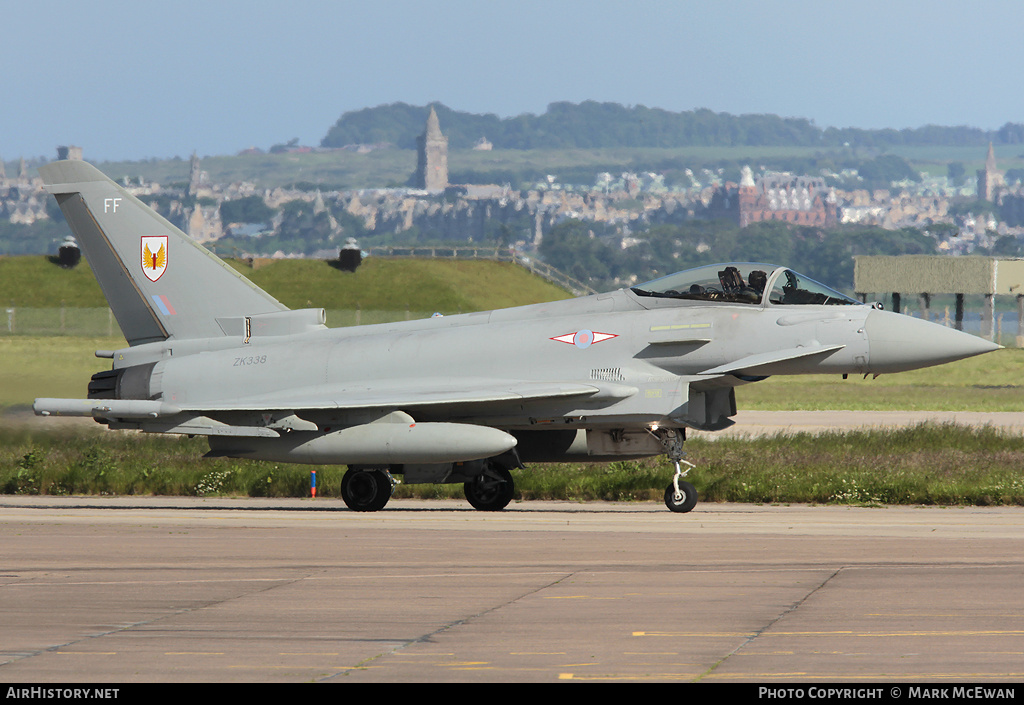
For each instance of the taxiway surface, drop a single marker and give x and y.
(761, 423)
(250, 590)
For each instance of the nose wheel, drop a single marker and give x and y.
(680, 496)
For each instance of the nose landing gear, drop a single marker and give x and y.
(680, 496)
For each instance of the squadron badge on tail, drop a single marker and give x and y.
(154, 256)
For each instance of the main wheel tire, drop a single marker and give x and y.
(684, 501)
(491, 490)
(366, 490)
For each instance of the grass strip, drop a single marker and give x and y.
(929, 464)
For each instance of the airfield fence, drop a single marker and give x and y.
(98, 322)
(63, 320)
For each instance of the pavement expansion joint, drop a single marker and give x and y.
(779, 617)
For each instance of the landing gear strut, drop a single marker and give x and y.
(680, 496)
(366, 490)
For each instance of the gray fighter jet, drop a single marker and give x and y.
(463, 398)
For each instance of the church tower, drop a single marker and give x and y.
(990, 180)
(194, 175)
(432, 162)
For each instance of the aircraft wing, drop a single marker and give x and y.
(409, 394)
(390, 394)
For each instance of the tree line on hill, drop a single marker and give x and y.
(593, 124)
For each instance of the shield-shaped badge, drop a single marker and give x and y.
(154, 256)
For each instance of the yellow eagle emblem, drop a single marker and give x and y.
(154, 260)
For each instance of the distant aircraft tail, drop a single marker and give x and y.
(159, 283)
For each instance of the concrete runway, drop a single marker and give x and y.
(193, 590)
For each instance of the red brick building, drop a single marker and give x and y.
(801, 200)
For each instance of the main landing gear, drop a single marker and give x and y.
(488, 483)
(680, 496)
(491, 490)
(367, 490)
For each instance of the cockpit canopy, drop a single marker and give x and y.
(743, 283)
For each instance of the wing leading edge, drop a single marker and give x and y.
(367, 395)
(415, 394)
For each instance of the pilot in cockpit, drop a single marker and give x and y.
(737, 290)
(757, 280)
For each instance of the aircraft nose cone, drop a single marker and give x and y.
(897, 343)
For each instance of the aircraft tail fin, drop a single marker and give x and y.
(159, 282)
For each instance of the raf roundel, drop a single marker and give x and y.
(584, 338)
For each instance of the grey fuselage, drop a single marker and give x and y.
(648, 371)
(606, 376)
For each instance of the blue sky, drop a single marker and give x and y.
(133, 80)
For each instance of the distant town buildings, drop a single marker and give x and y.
(22, 199)
(625, 204)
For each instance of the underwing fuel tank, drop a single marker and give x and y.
(373, 444)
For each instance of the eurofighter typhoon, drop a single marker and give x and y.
(453, 399)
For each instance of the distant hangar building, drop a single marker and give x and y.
(925, 275)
